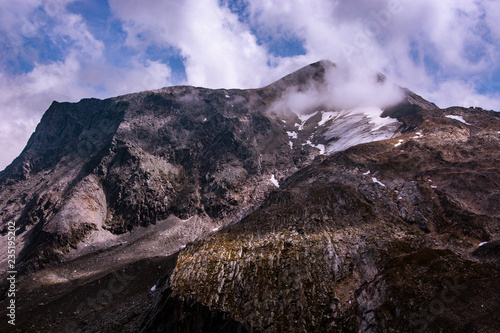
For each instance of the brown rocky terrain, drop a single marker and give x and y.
(224, 211)
(382, 237)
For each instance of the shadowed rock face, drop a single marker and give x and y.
(288, 222)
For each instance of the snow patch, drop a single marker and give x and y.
(375, 180)
(326, 116)
(459, 118)
(274, 181)
(418, 135)
(153, 288)
(227, 96)
(304, 118)
(216, 229)
(483, 243)
(291, 144)
(399, 143)
(373, 113)
(319, 146)
(293, 135)
(366, 173)
(358, 125)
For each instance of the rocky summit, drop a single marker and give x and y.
(328, 201)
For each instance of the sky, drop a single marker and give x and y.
(447, 51)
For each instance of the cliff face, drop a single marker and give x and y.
(291, 211)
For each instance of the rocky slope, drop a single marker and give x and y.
(382, 237)
(293, 210)
(96, 170)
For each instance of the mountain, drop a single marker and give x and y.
(329, 200)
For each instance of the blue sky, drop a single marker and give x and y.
(448, 51)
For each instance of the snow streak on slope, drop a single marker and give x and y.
(356, 126)
(350, 102)
(304, 118)
(339, 130)
(274, 181)
(459, 118)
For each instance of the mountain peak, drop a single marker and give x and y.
(266, 206)
(303, 76)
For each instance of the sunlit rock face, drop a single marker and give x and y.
(328, 201)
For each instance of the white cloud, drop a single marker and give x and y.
(450, 40)
(220, 51)
(451, 93)
(345, 88)
(73, 27)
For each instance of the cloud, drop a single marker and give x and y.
(219, 50)
(462, 94)
(344, 88)
(419, 44)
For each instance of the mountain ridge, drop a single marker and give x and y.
(184, 174)
(113, 137)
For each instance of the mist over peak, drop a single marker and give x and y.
(336, 88)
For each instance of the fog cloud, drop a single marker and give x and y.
(343, 88)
